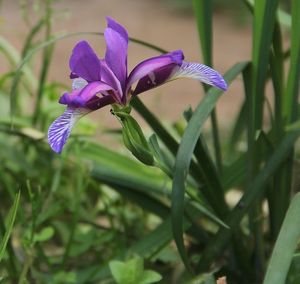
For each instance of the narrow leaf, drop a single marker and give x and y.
(185, 154)
(10, 223)
(285, 245)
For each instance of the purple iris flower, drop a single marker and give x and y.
(99, 82)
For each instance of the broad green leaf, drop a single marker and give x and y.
(128, 272)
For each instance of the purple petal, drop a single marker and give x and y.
(96, 102)
(108, 77)
(84, 62)
(59, 131)
(111, 23)
(200, 72)
(154, 79)
(80, 97)
(154, 71)
(116, 54)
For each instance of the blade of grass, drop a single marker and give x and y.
(10, 224)
(288, 106)
(264, 22)
(283, 17)
(238, 128)
(33, 32)
(285, 245)
(46, 60)
(263, 27)
(292, 90)
(184, 157)
(203, 12)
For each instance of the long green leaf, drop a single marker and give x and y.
(283, 17)
(285, 245)
(185, 154)
(10, 224)
(264, 21)
(203, 12)
(256, 190)
(143, 185)
(292, 91)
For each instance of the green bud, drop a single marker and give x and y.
(134, 138)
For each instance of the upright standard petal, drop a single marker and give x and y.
(116, 54)
(154, 71)
(59, 131)
(199, 72)
(111, 23)
(84, 62)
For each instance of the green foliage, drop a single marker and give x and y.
(79, 217)
(9, 227)
(132, 272)
(285, 245)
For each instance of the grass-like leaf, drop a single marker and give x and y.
(285, 245)
(292, 91)
(222, 238)
(185, 154)
(9, 226)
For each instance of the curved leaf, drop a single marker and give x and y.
(185, 154)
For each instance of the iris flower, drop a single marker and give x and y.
(100, 82)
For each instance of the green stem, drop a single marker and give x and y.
(26, 267)
(216, 139)
(46, 60)
(11, 266)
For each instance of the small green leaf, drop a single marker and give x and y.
(44, 235)
(150, 276)
(132, 272)
(129, 272)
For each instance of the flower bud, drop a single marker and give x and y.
(134, 139)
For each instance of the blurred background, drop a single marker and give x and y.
(168, 24)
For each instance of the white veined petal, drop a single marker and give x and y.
(78, 83)
(200, 72)
(59, 131)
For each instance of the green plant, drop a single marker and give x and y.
(85, 211)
